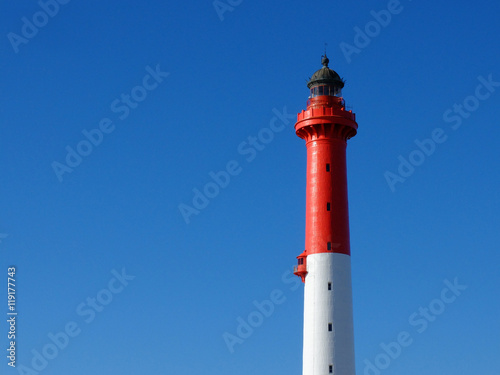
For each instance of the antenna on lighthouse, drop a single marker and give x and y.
(324, 58)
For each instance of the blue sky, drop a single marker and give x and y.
(200, 85)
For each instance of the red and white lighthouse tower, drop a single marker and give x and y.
(325, 264)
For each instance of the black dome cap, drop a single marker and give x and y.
(325, 76)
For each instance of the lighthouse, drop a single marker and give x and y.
(325, 264)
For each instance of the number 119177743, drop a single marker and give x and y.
(11, 272)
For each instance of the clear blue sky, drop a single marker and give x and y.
(203, 83)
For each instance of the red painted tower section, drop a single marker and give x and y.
(326, 125)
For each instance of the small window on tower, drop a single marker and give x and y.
(329, 246)
(329, 286)
(328, 167)
(330, 369)
(330, 327)
(328, 206)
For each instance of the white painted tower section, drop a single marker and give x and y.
(326, 309)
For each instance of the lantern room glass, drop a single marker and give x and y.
(326, 90)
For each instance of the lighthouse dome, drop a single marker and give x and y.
(325, 76)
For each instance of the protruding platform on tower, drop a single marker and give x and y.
(301, 268)
(326, 115)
